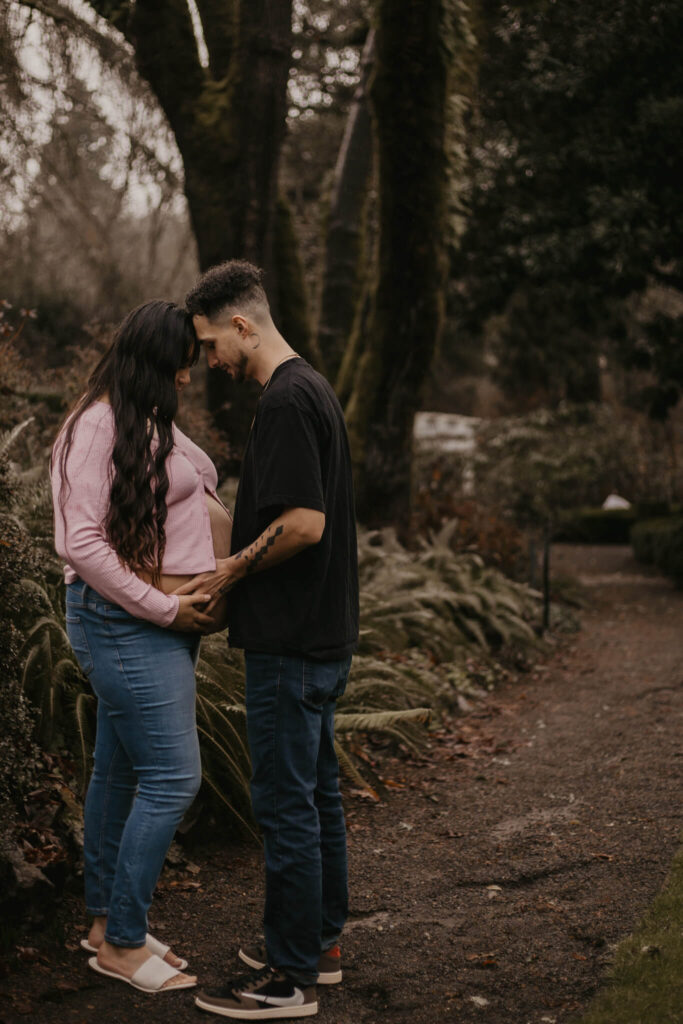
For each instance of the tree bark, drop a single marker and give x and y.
(229, 123)
(409, 94)
(345, 234)
(292, 295)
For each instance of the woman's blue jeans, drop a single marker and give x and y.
(147, 768)
(296, 800)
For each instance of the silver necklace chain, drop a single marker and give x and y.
(294, 355)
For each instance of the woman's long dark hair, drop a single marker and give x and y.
(138, 374)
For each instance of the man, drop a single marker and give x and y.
(295, 613)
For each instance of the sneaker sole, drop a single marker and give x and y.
(237, 1013)
(328, 978)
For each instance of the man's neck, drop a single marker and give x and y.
(272, 355)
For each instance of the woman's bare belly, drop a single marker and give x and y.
(221, 532)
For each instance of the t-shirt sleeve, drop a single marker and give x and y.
(288, 459)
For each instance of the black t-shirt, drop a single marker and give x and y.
(297, 456)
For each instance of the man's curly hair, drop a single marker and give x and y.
(235, 285)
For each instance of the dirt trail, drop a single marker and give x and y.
(493, 885)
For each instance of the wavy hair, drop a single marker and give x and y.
(137, 373)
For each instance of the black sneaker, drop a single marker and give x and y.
(329, 965)
(259, 996)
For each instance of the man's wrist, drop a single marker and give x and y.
(234, 567)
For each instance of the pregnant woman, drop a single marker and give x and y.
(137, 515)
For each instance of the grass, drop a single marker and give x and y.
(645, 985)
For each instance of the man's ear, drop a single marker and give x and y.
(240, 324)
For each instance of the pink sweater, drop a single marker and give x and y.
(79, 527)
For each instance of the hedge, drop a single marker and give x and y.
(596, 526)
(659, 542)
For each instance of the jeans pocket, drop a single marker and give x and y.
(79, 643)
(317, 684)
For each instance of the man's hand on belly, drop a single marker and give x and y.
(227, 573)
(290, 533)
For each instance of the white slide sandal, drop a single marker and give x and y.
(152, 944)
(148, 978)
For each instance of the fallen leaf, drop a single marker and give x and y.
(479, 1001)
(66, 986)
(365, 794)
(22, 1006)
(28, 954)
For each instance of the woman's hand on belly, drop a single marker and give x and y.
(214, 613)
(190, 618)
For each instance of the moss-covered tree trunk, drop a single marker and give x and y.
(341, 278)
(409, 94)
(229, 122)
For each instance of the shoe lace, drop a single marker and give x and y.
(250, 979)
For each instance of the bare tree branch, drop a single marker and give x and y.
(113, 52)
(220, 25)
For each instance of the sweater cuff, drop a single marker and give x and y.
(165, 608)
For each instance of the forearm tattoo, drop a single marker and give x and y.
(253, 555)
(256, 552)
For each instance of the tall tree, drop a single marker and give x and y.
(418, 47)
(342, 270)
(228, 117)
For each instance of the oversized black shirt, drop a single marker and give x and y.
(297, 455)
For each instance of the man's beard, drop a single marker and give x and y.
(241, 370)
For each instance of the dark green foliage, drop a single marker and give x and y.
(596, 526)
(538, 466)
(18, 754)
(659, 542)
(576, 205)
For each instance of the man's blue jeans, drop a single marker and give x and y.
(295, 795)
(147, 769)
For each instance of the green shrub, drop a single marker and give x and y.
(533, 467)
(659, 542)
(17, 753)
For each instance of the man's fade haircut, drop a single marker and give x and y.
(234, 286)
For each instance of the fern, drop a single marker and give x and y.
(8, 437)
(379, 721)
